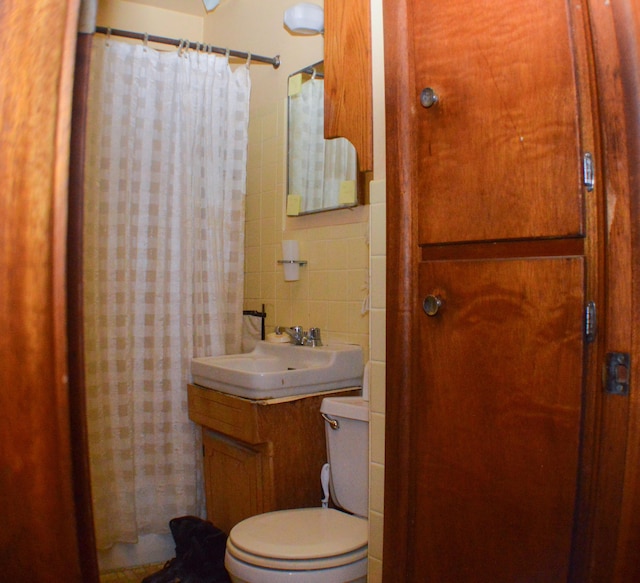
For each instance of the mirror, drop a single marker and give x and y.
(322, 174)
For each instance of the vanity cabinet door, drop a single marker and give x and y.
(237, 480)
(498, 419)
(499, 152)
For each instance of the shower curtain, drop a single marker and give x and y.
(163, 273)
(318, 167)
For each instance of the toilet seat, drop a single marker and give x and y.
(300, 539)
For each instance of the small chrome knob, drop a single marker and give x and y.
(428, 97)
(431, 305)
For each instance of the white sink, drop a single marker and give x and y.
(279, 370)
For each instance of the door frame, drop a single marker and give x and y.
(45, 495)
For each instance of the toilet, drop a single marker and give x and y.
(315, 545)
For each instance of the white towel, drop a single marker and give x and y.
(251, 332)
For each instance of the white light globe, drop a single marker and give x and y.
(210, 4)
(304, 18)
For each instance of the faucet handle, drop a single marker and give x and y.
(314, 339)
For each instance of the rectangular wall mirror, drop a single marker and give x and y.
(322, 174)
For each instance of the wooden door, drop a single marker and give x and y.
(462, 199)
(46, 518)
(498, 420)
(237, 480)
(500, 152)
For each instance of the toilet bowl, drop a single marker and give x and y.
(314, 545)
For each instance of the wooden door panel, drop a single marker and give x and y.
(498, 420)
(234, 479)
(499, 154)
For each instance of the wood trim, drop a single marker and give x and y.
(39, 540)
(348, 101)
(402, 262)
(606, 553)
(616, 27)
(627, 23)
(594, 245)
(75, 314)
(505, 250)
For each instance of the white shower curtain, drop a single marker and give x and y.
(317, 167)
(164, 238)
(306, 144)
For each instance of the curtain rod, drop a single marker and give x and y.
(274, 61)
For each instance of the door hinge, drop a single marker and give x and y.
(590, 322)
(588, 171)
(617, 373)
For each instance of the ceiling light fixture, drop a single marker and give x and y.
(304, 18)
(210, 4)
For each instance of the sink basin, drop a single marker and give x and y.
(279, 370)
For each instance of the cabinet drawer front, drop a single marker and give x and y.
(223, 413)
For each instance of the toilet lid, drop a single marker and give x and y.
(305, 534)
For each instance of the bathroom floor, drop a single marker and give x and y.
(130, 574)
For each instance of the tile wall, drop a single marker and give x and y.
(378, 262)
(333, 286)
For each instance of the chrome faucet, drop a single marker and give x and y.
(300, 337)
(297, 334)
(314, 339)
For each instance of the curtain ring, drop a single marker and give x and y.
(227, 53)
(313, 74)
(106, 42)
(248, 64)
(145, 41)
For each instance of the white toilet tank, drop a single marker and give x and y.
(348, 452)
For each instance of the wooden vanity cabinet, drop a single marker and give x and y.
(238, 479)
(259, 456)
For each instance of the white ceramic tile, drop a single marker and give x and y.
(378, 282)
(375, 570)
(357, 284)
(376, 526)
(377, 318)
(377, 191)
(376, 431)
(378, 388)
(376, 488)
(378, 229)
(358, 322)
